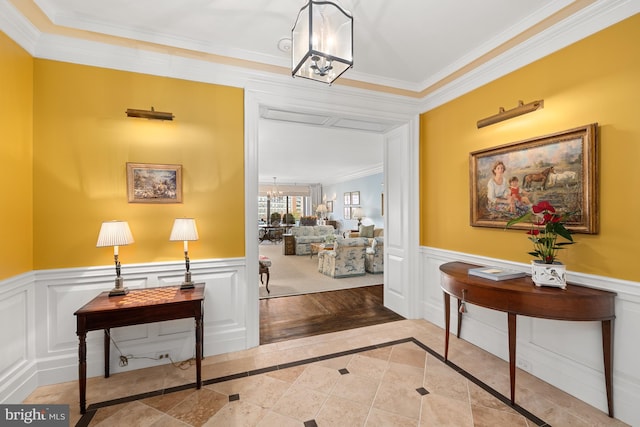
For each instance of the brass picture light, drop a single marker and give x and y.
(149, 114)
(502, 115)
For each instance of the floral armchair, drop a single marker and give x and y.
(345, 260)
(374, 257)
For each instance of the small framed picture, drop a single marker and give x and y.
(329, 206)
(154, 183)
(355, 197)
(347, 212)
(347, 198)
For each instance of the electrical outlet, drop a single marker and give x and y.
(523, 364)
(162, 355)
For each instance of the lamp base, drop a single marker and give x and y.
(187, 284)
(115, 292)
(119, 289)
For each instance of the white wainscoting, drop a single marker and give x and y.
(567, 355)
(40, 345)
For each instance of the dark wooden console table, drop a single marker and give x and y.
(521, 296)
(137, 307)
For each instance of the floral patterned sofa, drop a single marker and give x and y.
(305, 235)
(346, 259)
(374, 257)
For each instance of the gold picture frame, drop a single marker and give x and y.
(154, 183)
(560, 168)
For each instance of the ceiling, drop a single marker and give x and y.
(409, 44)
(407, 48)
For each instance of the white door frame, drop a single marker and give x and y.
(348, 103)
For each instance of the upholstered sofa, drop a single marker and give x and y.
(368, 231)
(305, 235)
(374, 257)
(345, 260)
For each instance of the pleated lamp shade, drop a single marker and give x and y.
(114, 233)
(184, 229)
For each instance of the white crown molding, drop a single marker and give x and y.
(592, 19)
(19, 29)
(588, 21)
(355, 175)
(539, 16)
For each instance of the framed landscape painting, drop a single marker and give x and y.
(154, 183)
(560, 168)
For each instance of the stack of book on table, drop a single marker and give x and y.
(495, 273)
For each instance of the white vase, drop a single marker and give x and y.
(549, 274)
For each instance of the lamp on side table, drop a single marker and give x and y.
(115, 233)
(185, 229)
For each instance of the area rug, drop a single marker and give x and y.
(298, 274)
(400, 382)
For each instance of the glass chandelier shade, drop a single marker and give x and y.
(322, 42)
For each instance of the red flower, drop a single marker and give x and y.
(552, 218)
(546, 227)
(543, 206)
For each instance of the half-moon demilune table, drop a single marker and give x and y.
(521, 296)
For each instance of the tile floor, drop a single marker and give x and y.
(384, 375)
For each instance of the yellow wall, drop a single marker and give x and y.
(16, 104)
(594, 80)
(83, 140)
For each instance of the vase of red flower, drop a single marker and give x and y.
(549, 274)
(547, 226)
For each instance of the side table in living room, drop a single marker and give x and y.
(289, 247)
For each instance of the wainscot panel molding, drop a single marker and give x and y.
(18, 367)
(42, 345)
(567, 355)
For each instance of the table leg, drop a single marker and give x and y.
(512, 355)
(459, 318)
(447, 318)
(607, 348)
(107, 348)
(82, 370)
(199, 344)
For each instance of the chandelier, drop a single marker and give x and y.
(274, 190)
(322, 42)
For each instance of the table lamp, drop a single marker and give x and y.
(358, 213)
(115, 233)
(185, 229)
(322, 210)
